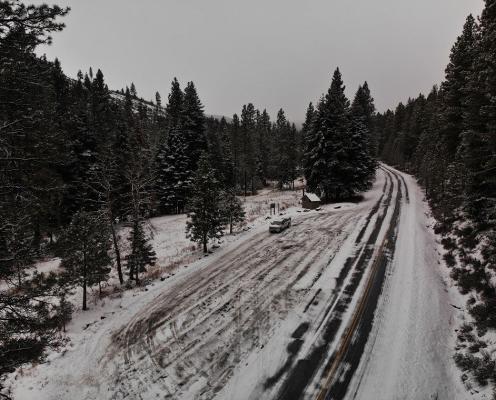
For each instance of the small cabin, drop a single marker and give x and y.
(310, 201)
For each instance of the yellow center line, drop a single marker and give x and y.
(350, 330)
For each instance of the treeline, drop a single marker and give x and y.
(338, 157)
(77, 160)
(247, 151)
(447, 139)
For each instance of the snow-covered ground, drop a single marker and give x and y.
(174, 253)
(168, 234)
(175, 250)
(274, 316)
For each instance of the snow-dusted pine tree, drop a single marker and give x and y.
(232, 209)
(85, 247)
(263, 128)
(142, 253)
(455, 87)
(479, 136)
(247, 157)
(173, 174)
(363, 144)
(363, 109)
(206, 219)
(285, 137)
(193, 125)
(174, 108)
(329, 170)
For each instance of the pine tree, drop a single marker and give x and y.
(159, 118)
(65, 310)
(309, 141)
(479, 136)
(232, 209)
(247, 146)
(362, 162)
(206, 219)
(29, 322)
(294, 152)
(34, 23)
(31, 142)
(219, 152)
(92, 131)
(227, 164)
(262, 120)
(286, 146)
(19, 246)
(173, 174)
(133, 91)
(174, 108)
(120, 152)
(193, 125)
(363, 108)
(85, 251)
(330, 172)
(455, 87)
(363, 144)
(142, 253)
(307, 125)
(235, 133)
(179, 152)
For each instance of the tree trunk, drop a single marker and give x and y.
(84, 295)
(230, 225)
(246, 193)
(117, 252)
(205, 249)
(19, 277)
(37, 235)
(84, 282)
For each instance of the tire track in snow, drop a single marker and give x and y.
(349, 354)
(264, 286)
(405, 186)
(385, 298)
(255, 306)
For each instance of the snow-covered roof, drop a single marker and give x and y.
(312, 196)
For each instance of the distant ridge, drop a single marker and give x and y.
(119, 96)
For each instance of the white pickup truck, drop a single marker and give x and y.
(280, 224)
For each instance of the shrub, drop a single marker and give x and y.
(484, 370)
(484, 313)
(449, 243)
(449, 259)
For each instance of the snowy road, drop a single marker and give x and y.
(409, 354)
(347, 304)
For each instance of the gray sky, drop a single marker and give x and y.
(274, 53)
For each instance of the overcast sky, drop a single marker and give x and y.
(274, 53)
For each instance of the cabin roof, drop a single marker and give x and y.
(312, 197)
